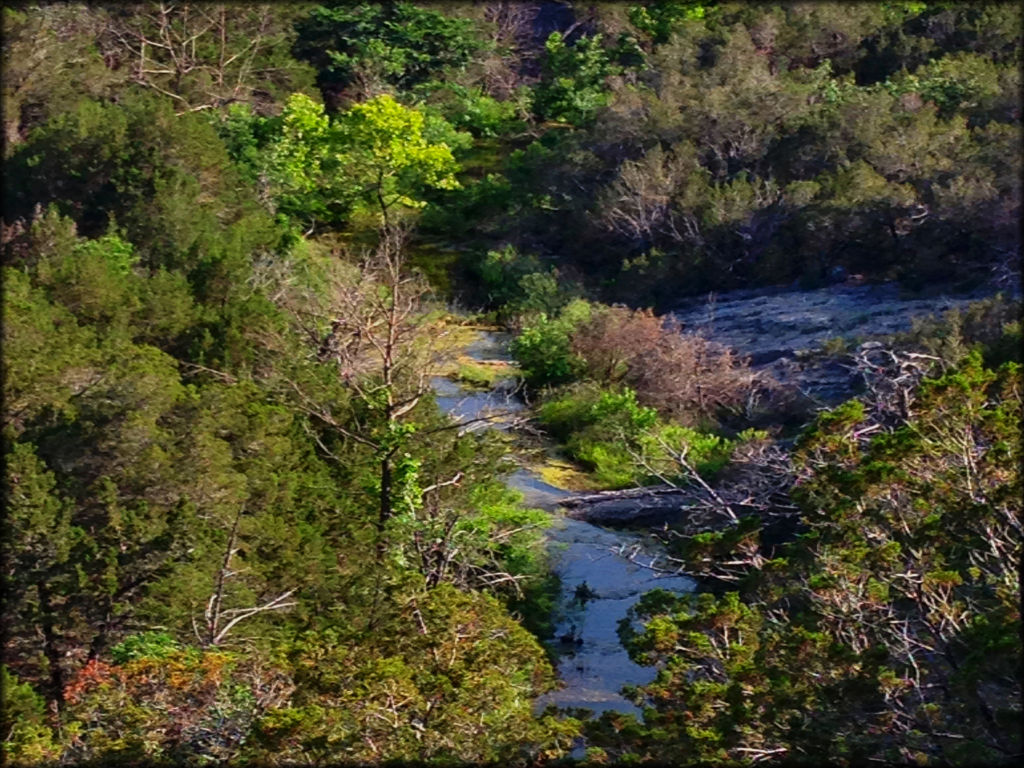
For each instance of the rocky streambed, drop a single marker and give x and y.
(779, 330)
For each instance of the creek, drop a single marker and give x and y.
(774, 328)
(593, 666)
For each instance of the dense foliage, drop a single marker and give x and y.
(238, 527)
(889, 630)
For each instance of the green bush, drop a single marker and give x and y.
(519, 284)
(148, 645)
(572, 410)
(991, 325)
(470, 109)
(610, 462)
(28, 740)
(544, 349)
(624, 443)
(572, 86)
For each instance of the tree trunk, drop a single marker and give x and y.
(386, 509)
(50, 650)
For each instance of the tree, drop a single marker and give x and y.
(366, 346)
(165, 179)
(28, 737)
(544, 348)
(456, 688)
(389, 156)
(205, 56)
(162, 701)
(683, 375)
(890, 629)
(359, 51)
(572, 85)
(97, 427)
(304, 167)
(661, 20)
(376, 153)
(108, 523)
(642, 204)
(937, 498)
(368, 330)
(49, 63)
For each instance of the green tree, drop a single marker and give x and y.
(361, 50)
(448, 676)
(375, 154)
(28, 737)
(390, 159)
(165, 179)
(49, 63)
(572, 85)
(304, 165)
(659, 20)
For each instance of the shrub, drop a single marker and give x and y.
(519, 284)
(153, 645)
(544, 350)
(624, 443)
(28, 739)
(683, 375)
(470, 108)
(993, 325)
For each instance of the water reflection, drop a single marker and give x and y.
(596, 669)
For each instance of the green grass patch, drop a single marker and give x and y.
(566, 476)
(452, 341)
(478, 376)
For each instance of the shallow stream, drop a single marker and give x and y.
(772, 327)
(593, 666)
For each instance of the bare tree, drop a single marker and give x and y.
(755, 485)
(218, 620)
(371, 328)
(639, 203)
(370, 324)
(512, 32)
(890, 378)
(202, 55)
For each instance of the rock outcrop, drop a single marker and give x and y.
(778, 328)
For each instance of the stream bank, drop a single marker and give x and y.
(778, 330)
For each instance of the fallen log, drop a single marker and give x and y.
(626, 493)
(652, 505)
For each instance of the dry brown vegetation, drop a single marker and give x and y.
(683, 375)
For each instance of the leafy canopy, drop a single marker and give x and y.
(389, 44)
(377, 154)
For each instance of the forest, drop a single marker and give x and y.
(242, 243)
